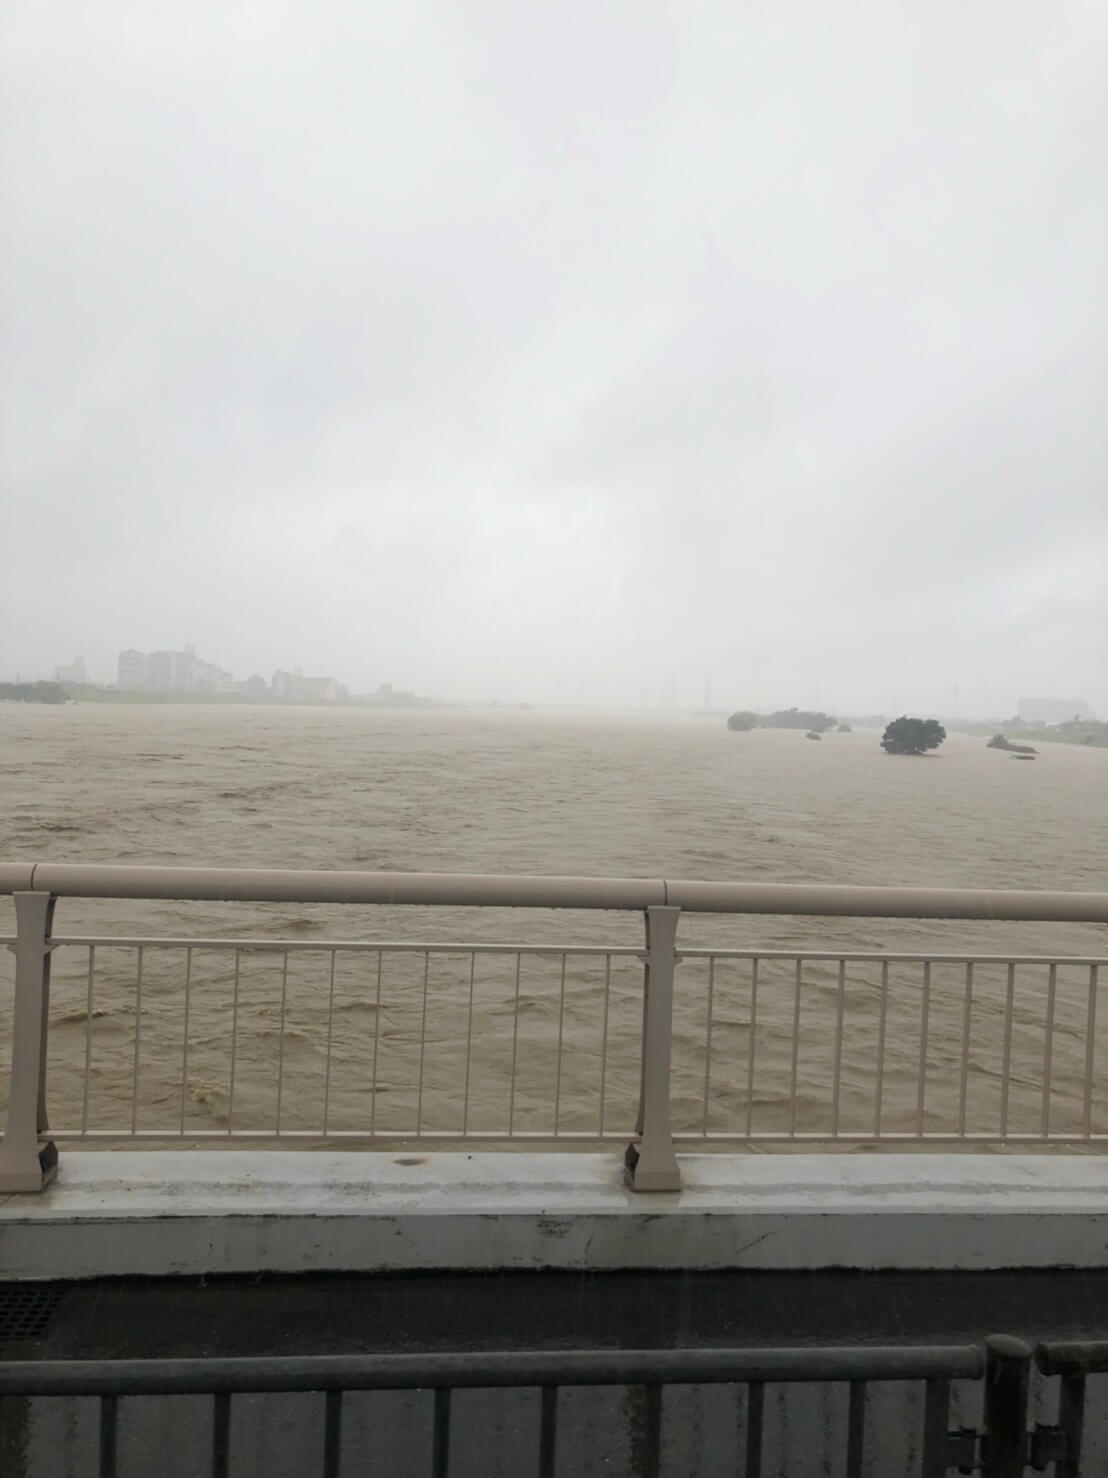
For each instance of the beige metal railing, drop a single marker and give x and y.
(202, 1040)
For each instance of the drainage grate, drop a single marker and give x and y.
(26, 1309)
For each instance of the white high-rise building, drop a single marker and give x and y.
(134, 671)
(172, 672)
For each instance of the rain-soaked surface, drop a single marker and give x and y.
(533, 793)
(599, 1430)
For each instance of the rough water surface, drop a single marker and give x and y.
(444, 1042)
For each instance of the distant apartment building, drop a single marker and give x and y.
(294, 687)
(171, 672)
(208, 678)
(76, 672)
(133, 671)
(1053, 710)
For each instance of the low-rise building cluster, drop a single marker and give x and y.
(185, 672)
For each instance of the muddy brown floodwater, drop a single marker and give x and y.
(534, 793)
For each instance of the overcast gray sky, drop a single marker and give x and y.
(550, 350)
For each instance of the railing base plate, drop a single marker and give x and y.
(26, 1173)
(651, 1172)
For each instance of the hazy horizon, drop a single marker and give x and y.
(665, 705)
(547, 356)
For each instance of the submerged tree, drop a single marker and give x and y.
(742, 720)
(798, 718)
(912, 735)
(37, 692)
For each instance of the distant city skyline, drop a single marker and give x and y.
(183, 671)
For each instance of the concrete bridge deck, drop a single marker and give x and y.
(210, 1212)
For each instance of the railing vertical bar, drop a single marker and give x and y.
(440, 1450)
(653, 1435)
(561, 1035)
(708, 1043)
(856, 1429)
(469, 1039)
(330, 1043)
(332, 1434)
(1090, 1039)
(185, 1036)
(936, 1417)
(1007, 1383)
(423, 1039)
(109, 1434)
(604, 1040)
(281, 1035)
(376, 1042)
(796, 1048)
(750, 1047)
(882, 1022)
(1071, 1419)
(924, 1033)
(138, 1041)
(755, 1416)
(515, 1050)
(837, 1082)
(88, 1038)
(548, 1432)
(1006, 1067)
(963, 1086)
(1048, 1047)
(221, 1433)
(234, 1043)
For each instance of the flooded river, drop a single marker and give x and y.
(535, 793)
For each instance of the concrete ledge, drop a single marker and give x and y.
(116, 1214)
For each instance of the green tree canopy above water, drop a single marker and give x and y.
(32, 693)
(912, 735)
(784, 718)
(799, 718)
(743, 720)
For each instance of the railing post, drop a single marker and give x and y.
(650, 1159)
(28, 1157)
(1007, 1377)
(1071, 1423)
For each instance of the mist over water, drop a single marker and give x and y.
(533, 793)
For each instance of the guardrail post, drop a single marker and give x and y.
(650, 1159)
(28, 1157)
(1007, 1376)
(1061, 1443)
(1071, 1424)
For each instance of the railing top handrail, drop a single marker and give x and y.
(489, 1369)
(1073, 1357)
(273, 885)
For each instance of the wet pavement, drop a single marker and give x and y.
(496, 1432)
(310, 1315)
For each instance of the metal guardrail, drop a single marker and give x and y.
(1003, 1446)
(219, 1040)
(1073, 1361)
(477, 890)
